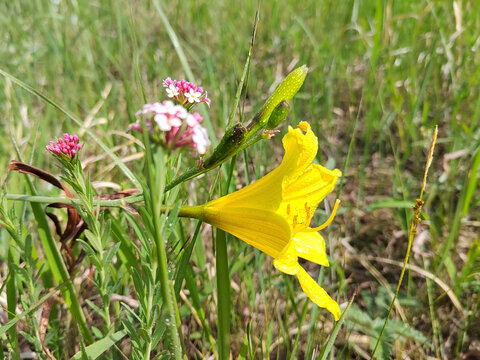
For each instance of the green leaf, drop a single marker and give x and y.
(182, 266)
(391, 203)
(471, 186)
(31, 309)
(331, 340)
(95, 350)
(404, 330)
(158, 333)
(139, 288)
(172, 219)
(127, 248)
(109, 255)
(96, 309)
(96, 332)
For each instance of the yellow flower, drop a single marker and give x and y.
(273, 214)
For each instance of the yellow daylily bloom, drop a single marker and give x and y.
(273, 214)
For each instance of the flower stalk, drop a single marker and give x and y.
(96, 247)
(160, 266)
(223, 292)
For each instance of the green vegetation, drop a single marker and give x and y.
(381, 75)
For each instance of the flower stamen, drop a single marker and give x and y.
(307, 211)
(329, 220)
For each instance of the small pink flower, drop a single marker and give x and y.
(135, 127)
(193, 96)
(185, 93)
(173, 126)
(167, 82)
(68, 146)
(172, 91)
(200, 139)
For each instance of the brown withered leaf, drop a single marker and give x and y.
(23, 168)
(471, 355)
(75, 223)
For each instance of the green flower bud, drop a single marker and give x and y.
(229, 145)
(278, 115)
(285, 91)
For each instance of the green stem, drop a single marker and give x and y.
(154, 206)
(12, 303)
(194, 212)
(223, 280)
(150, 321)
(171, 319)
(198, 170)
(72, 201)
(223, 295)
(82, 186)
(392, 303)
(187, 175)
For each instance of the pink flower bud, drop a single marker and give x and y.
(68, 146)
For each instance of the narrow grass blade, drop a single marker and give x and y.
(246, 70)
(60, 272)
(12, 304)
(246, 349)
(351, 146)
(34, 307)
(331, 340)
(472, 182)
(95, 350)
(390, 203)
(182, 267)
(463, 205)
(223, 295)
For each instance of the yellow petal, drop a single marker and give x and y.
(317, 294)
(315, 183)
(266, 193)
(287, 261)
(311, 246)
(300, 149)
(306, 191)
(265, 230)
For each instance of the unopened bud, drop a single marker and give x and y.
(285, 91)
(228, 146)
(278, 115)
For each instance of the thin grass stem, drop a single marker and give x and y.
(413, 230)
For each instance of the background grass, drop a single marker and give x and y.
(382, 74)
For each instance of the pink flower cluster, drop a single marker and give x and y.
(68, 146)
(186, 93)
(174, 125)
